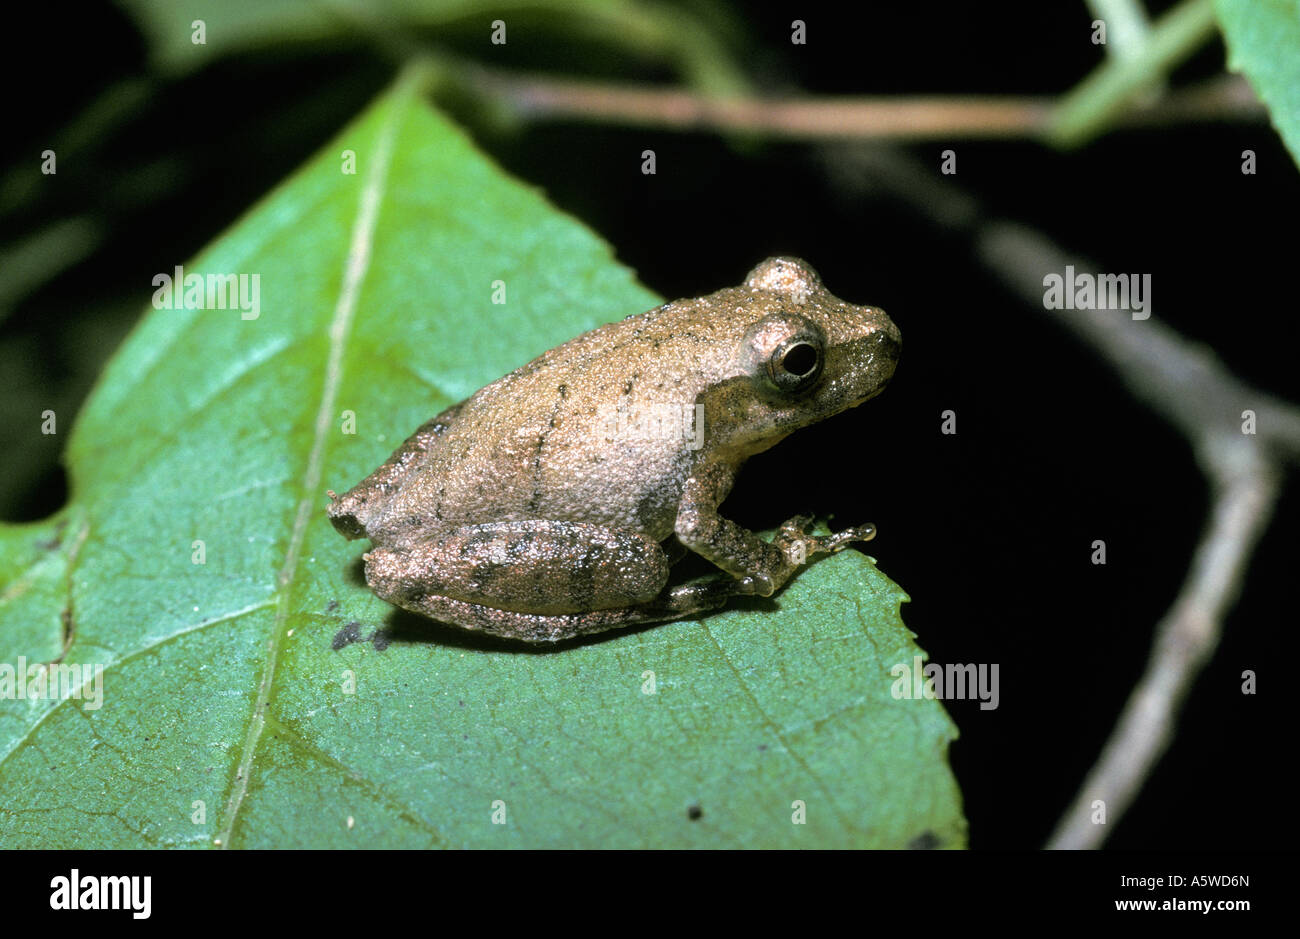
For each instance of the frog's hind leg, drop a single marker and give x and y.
(542, 581)
(535, 580)
(673, 603)
(527, 627)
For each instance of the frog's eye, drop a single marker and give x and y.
(784, 354)
(796, 364)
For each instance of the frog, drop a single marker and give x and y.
(540, 509)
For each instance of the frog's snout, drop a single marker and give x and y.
(891, 341)
(894, 334)
(888, 340)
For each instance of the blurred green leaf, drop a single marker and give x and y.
(657, 31)
(225, 716)
(1091, 106)
(1263, 39)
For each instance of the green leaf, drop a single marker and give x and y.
(678, 34)
(224, 713)
(1263, 39)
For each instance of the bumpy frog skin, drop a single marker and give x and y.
(538, 509)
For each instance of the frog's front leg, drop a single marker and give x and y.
(759, 567)
(536, 580)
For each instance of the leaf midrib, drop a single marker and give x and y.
(357, 264)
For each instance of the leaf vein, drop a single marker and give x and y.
(776, 730)
(135, 654)
(356, 266)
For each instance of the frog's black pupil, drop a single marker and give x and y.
(800, 360)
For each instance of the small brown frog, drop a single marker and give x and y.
(552, 502)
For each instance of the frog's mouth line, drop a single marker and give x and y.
(870, 394)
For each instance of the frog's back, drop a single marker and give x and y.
(552, 439)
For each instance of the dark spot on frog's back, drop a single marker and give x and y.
(408, 526)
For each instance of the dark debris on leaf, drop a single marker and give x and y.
(347, 635)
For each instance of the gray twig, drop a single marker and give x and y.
(1193, 390)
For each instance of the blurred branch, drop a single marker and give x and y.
(1194, 392)
(537, 97)
(1127, 26)
(1182, 381)
(30, 261)
(108, 110)
(1123, 90)
(1245, 490)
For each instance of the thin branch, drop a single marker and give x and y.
(1127, 26)
(1192, 389)
(538, 97)
(1246, 490)
(1181, 380)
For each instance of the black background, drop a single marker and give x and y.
(989, 531)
